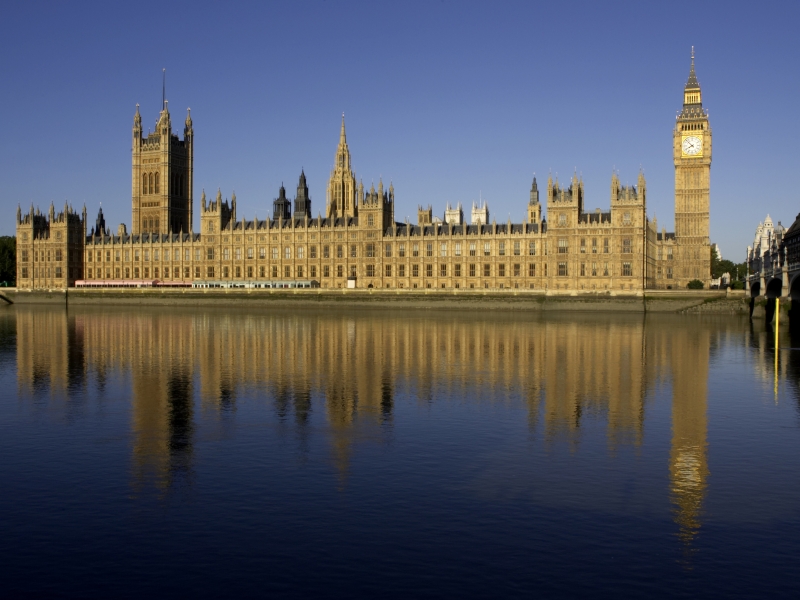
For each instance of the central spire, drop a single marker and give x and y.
(342, 135)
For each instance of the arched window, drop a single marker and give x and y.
(144, 183)
(156, 229)
(150, 179)
(157, 184)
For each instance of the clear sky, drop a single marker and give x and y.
(450, 100)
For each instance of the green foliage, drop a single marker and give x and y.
(715, 264)
(8, 260)
(737, 285)
(695, 284)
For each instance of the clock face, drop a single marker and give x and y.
(692, 145)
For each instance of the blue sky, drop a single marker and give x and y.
(449, 100)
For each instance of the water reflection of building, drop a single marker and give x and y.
(688, 464)
(564, 369)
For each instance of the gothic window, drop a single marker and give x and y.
(401, 270)
(274, 271)
(562, 269)
(583, 269)
(428, 270)
(626, 246)
(669, 272)
(605, 246)
(472, 270)
(370, 270)
(531, 270)
(352, 270)
(370, 220)
(388, 270)
(262, 252)
(150, 181)
(487, 249)
(209, 254)
(144, 183)
(429, 249)
(313, 270)
(147, 254)
(415, 250)
(299, 270)
(458, 249)
(516, 270)
(353, 252)
(370, 250)
(226, 254)
(155, 272)
(583, 245)
(301, 252)
(594, 245)
(457, 270)
(562, 219)
(210, 272)
(532, 248)
(287, 271)
(443, 270)
(502, 249)
(594, 269)
(287, 252)
(563, 246)
(339, 271)
(605, 270)
(487, 270)
(339, 251)
(157, 186)
(238, 254)
(401, 252)
(443, 249)
(516, 249)
(626, 269)
(415, 270)
(326, 271)
(669, 256)
(626, 218)
(388, 251)
(326, 251)
(250, 252)
(313, 252)
(166, 272)
(501, 270)
(274, 253)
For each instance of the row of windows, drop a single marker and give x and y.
(473, 270)
(42, 255)
(151, 184)
(402, 250)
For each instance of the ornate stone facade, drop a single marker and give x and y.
(358, 243)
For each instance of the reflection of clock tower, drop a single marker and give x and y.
(692, 155)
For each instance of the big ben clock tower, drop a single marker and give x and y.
(692, 157)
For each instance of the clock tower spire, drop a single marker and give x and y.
(692, 159)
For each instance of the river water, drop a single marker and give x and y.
(344, 453)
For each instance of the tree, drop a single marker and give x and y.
(8, 259)
(715, 263)
(695, 284)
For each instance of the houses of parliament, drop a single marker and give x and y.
(358, 243)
